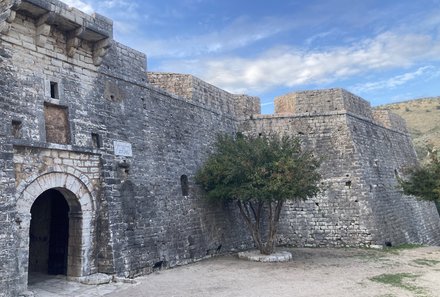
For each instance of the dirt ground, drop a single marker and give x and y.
(312, 272)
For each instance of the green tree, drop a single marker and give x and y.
(259, 174)
(424, 181)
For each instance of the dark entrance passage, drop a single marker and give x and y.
(49, 234)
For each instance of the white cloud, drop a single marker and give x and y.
(395, 81)
(289, 66)
(83, 6)
(238, 34)
(116, 3)
(210, 55)
(323, 35)
(114, 8)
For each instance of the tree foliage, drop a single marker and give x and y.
(260, 174)
(424, 181)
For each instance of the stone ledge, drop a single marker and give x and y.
(55, 146)
(93, 279)
(124, 280)
(254, 255)
(26, 294)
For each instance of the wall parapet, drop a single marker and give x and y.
(335, 101)
(193, 89)
(76, 25)
(390, 120)
(321, 101)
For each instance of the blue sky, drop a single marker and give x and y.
(384, 51)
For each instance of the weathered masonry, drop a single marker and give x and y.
(97, 157)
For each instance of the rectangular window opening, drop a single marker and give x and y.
(54, 92)
(96, 140)
(16, 128)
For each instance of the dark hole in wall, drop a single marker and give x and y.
(54, 90)
(16, 128)
(49, 234)
(96, 140)
(128, 193)
(184, 185)
(348, 184)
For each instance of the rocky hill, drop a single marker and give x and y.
(423, 119)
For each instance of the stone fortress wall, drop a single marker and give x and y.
(195, 90)
(363, 151)
(80, 114)
(58, 111)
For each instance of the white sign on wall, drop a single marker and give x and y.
(122, 148)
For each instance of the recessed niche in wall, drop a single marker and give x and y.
(184, 185)
(112, 91)
(16, 128)
(54, 90)
(96, 140)
(57, 124)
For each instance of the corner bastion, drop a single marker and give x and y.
(363, 153)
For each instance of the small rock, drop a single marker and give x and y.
(124, 280)
(96, 279)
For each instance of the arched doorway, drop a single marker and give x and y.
(77, 191)
(49, 234)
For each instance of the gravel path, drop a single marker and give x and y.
(311, 273)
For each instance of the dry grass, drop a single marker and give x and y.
(423, 119)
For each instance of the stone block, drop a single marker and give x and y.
(96, 279)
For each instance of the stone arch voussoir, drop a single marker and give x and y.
(78, 192)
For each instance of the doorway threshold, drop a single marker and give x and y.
(44, 285)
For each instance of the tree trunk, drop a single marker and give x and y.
(252, 224)
(252, 217)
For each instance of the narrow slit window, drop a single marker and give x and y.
(16, 128)
(184, 185)
(96, 140)
(54, 90)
